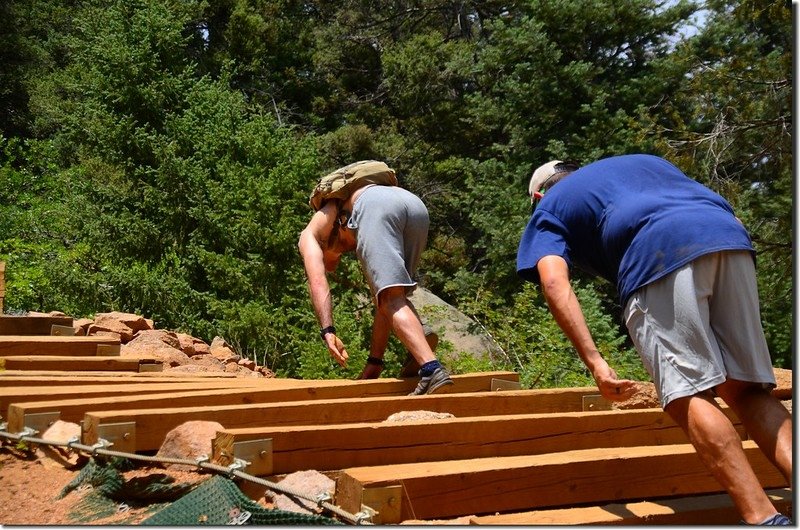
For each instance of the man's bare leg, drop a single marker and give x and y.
(767, 421)
(720, 449)
(406, 323)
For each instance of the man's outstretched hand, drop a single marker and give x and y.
(336, 349)
(615, 389)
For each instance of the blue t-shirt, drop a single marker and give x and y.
(630, 219)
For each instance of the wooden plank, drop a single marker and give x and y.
(153, 423)
(717, 509)
(11, 378)
(436, 490)
(64, 377)
(41, 388)
(18, 345)
(333, 447)
(52, 362)
(31, 394)
(31, 325)
(270, 391)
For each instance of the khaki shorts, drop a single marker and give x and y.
(701, 325)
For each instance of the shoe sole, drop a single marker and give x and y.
(439, 385)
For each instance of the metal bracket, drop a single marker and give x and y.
(384, 502)
(150, 365)
(27, 431)
(108, 350)
(121, 435)
(257, 454)
(365, 515)
(62, 331)
(595, 402)
(505, 384)
(40, 421)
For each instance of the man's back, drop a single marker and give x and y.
(630, 219)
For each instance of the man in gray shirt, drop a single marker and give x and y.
(387, 227)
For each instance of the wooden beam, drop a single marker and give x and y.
(716, 509)
(31, 394)
(333, 447)
(53, 362)
(66, 377)
(31, 325)
(20, 345)
(436, 490)
(153, 423)
(270, 391)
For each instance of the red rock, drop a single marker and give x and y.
(190, 440)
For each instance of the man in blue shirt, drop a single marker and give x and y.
(684, 268)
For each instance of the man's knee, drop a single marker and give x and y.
(733, 391)
(391, 299)
(678, 409)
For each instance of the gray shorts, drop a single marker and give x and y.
(701, 325)
(391, 226)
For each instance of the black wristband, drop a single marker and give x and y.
(325, 331)
(377, 361)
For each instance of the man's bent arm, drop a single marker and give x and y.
(310, 244)
(554, 275)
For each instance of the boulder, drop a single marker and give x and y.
(452, 325)
(81, 325)
(190, 440)
(126, 324)
(186, 343)
(61, 431)
(414, 415)
(310, 483)
(222, 351)
(158, 345)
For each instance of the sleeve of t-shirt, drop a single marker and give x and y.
(545, 235)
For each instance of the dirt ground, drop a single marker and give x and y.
(30, 484)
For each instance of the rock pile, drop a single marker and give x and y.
(178, 352)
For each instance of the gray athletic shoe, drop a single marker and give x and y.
(431, 383)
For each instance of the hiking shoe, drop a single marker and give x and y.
(776, 520)
(411, 366)
(431, 383)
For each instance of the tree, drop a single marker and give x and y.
(729, 126)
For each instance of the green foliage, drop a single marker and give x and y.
(532, 344)
(156, 155)
(728, 125)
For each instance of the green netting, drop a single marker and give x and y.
(106, 478)
(214, 501)
(218, 501)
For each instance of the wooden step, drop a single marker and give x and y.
(45, 392)
(11, 378)
(67, 362)
(333, 447)
(152, 424)
(270, 391)
(19, 345)
(31, 325)
(248, 390)
(696, 510)
(514, 483)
